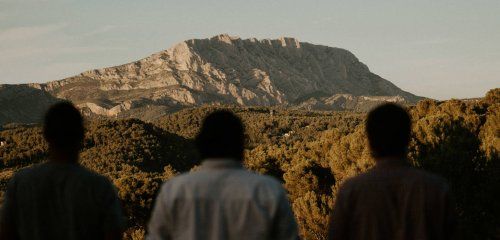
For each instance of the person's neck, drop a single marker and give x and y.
(391, 160)
(63, 157)
(214, 163)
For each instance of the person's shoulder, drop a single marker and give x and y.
(92, 176)
(359, 179)
(258, 179)
(430, 179)
(250, 179)
(100, 185)
(33, 169)
(352, 182)
(180, 180)
(410, 173)
(263, 183)
(264, 180)
(29, 172)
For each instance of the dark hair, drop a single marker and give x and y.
(388, 127)
(221, 136)
(63, 127)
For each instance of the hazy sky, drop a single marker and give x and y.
(438, 49)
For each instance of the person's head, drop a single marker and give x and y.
(63, 128)
(221, 136)
(388, 128)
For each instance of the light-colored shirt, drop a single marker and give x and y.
(222, 201)
(393, 201)
(61, 201)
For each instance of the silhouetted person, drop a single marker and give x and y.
(222, 200)
(392, 200)
(60, 199)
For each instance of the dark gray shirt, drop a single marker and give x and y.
(222, 201)
(393, 201)
(61, 201)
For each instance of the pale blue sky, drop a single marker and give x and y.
(438, 49)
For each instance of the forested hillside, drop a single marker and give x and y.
(312, 153)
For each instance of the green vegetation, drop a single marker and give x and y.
(312, 153)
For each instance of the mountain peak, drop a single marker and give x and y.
(226, 38)
(226, 69)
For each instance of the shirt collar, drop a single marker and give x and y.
(220, 163)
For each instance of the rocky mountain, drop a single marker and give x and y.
(222, 70)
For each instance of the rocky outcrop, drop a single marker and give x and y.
(229, 70)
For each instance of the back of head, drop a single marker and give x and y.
(388, 128)
(63, 127)
(221, 136)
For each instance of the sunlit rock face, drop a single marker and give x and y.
(228, 70)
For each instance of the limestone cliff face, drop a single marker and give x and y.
(227, 70)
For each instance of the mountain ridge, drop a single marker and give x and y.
(228, 70)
